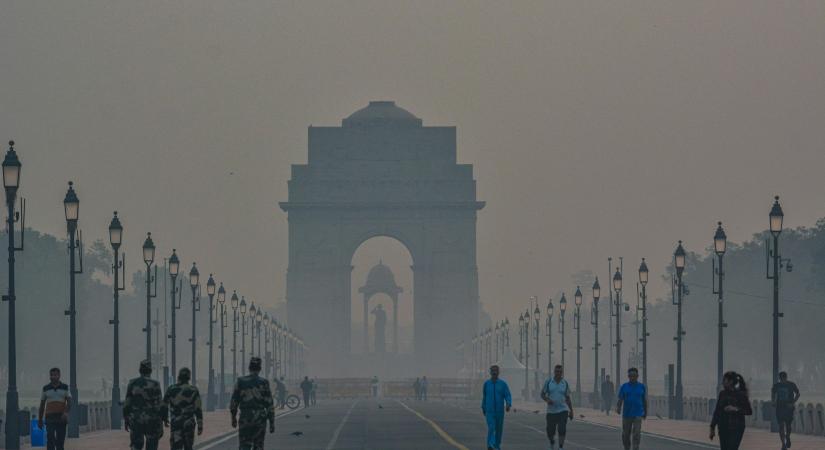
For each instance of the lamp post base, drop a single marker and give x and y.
(116, 413)
(12, 423)
(74, 415)
(679, 404)
(210, 392)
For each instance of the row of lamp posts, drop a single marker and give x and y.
(287, 346)
(774, 262)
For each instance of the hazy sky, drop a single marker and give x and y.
(595, 128)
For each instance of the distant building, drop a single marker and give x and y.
(382, 173)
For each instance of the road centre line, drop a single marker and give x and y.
(435, 427)
(334, 439)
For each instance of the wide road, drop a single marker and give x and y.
(388, 424)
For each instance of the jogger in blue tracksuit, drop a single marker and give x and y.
(495, 401)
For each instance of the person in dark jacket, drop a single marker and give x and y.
(732, 406)
(306, 389)
(608, 395)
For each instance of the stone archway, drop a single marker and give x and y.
(382, 173)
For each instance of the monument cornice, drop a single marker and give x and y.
(288, 206)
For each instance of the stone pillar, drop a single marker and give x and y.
(366, 325)
(395, 324)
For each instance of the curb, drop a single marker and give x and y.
(656, 435)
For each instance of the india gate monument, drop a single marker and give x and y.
(382, 173)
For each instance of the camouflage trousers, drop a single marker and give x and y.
(251, 433)
(182, 435)
(150, 432)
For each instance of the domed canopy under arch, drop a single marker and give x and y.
(380, 280)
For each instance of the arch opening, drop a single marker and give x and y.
(381, 305)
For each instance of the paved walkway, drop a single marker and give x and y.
(388, 424)
(216, 425)
(687, 430)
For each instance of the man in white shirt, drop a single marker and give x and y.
(556, 393)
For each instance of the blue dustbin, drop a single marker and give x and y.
(38, 436)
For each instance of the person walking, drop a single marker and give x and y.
(374, 386)
(784, 396)
(424, 385)
(143, 410)
(254, 398)
(55, 403)
(417, 388)
(632, 406)
(556, 393)
(280, 389)
(495, 401)
(306, 390)
(313, 392)
(608, 394)
(732, 406)
(183, 401)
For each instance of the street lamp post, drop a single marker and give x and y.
(148, 259)
(521, 337)
(210, 389)
(527, 355)
(720, 244)
(473, 362)
(222, 303)
(507, 332)
(266, 354)
(288, 351)
(118, 269)
(488, 338)
(276, 327)
(243, 330)
(234, 301)
(644, 275)
(194, 283)
(617, 286)
(252, 317)
(258, 320)
(177, 291)
(498, 338)
(548, 330)
(594, 320)
(11, 182)
(537, 334)
(481, 353)
(562, 312)
(610, 317)
(577, 325)
(71, 207)
(503, 332)
(293, 367)
(679, 263)
(776, 219)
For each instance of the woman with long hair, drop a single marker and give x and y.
(732, 406)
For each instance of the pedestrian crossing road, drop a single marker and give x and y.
(386, 424)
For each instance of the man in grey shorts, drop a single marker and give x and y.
(556, 393)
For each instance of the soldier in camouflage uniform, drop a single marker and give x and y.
(184, 404)
(253, 396)
(143, 410)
